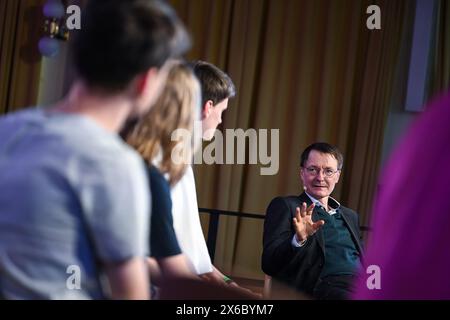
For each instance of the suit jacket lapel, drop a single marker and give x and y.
(352, 230)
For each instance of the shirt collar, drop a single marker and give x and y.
(332, 203)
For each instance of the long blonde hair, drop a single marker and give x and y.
(177, 108)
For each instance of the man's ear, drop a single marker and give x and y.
(207, 108)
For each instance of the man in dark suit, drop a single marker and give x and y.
(311, 241)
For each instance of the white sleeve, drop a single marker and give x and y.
(186, 222)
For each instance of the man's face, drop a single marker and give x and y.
(212, 117)
(314, 177)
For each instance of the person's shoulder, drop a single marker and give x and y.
(349, 211)
(287, 199)
(85, 139)
(157, 179)
(28, 112)
(290, 201)
(188, 174)
(186, 182)
(113, 154)
(21, 116)
(98, 153)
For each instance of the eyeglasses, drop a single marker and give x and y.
(314, 171)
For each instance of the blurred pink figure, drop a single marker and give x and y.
(410, 234)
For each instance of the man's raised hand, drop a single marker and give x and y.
(303, 224)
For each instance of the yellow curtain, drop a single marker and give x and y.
(21, 23)
(312, 70)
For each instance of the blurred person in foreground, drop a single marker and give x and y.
(407, 252)
(75, 203)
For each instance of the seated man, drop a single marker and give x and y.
(311, 241)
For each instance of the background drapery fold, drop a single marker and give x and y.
(21, 23)
(440, 72)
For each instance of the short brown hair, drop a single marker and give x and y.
(216, 85)
(322, 147)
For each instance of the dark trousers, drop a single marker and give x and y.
(338, 287)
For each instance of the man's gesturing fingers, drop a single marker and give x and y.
(310, 209)
(297, 214)
(316, 225)
(303, 210)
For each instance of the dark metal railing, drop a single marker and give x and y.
(214, 225)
